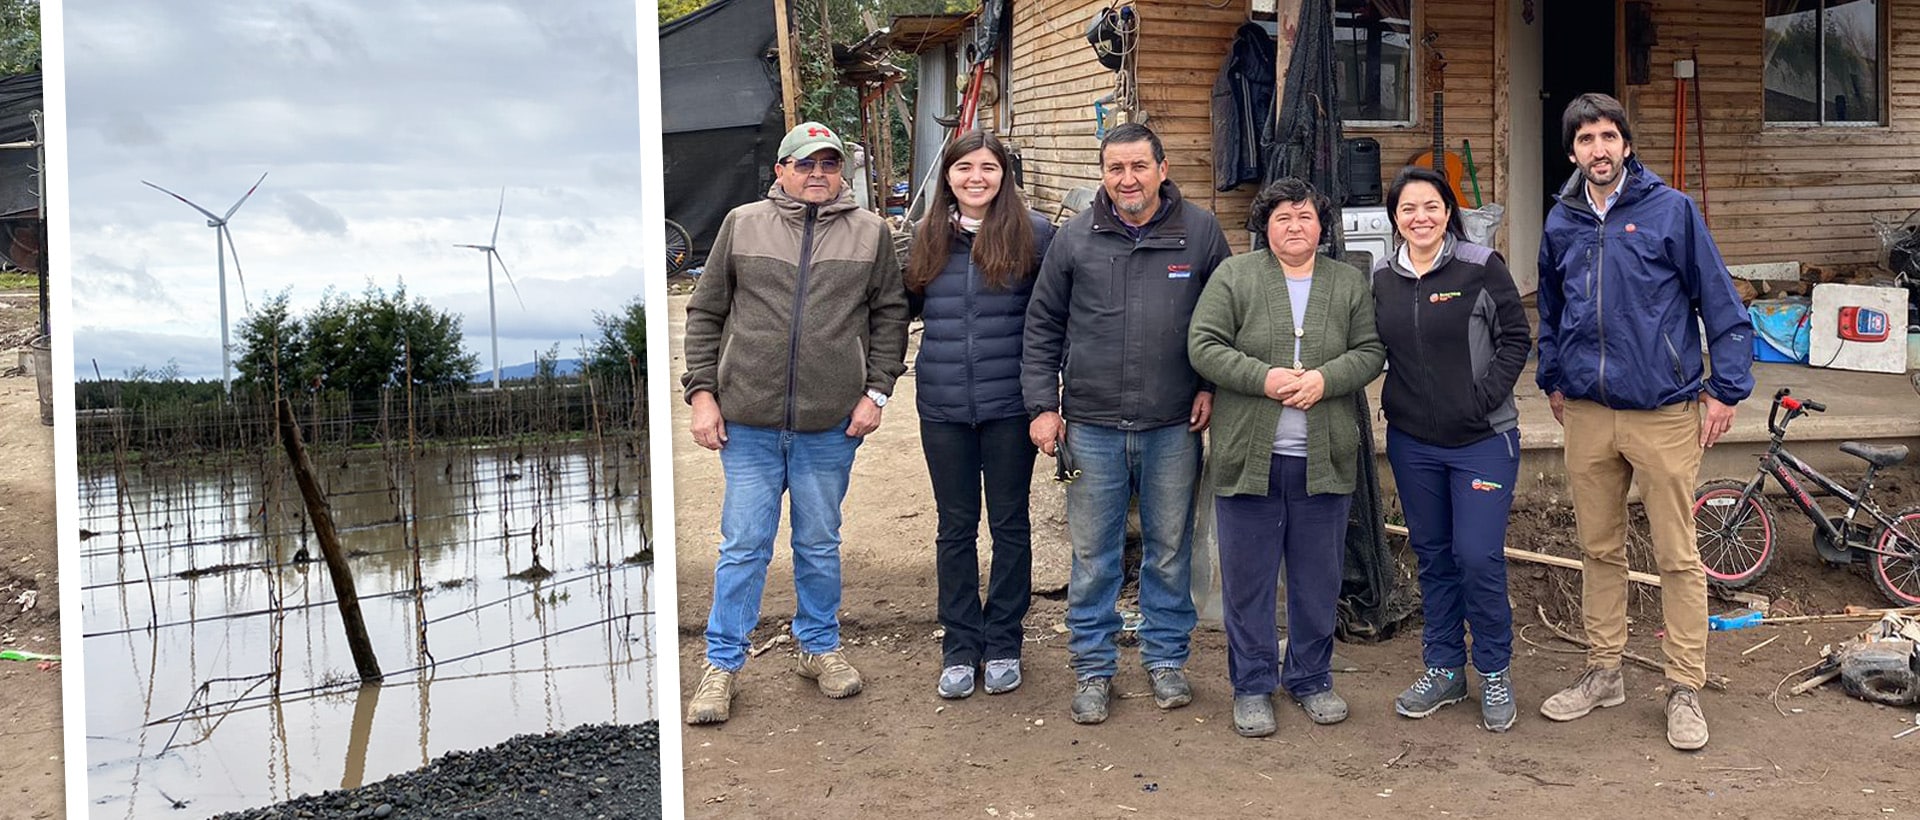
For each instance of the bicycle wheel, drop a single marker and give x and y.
(1735, 535)
(679, 248)
(1899, 576)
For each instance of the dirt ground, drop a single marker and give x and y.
(31, 757)
(898, 750)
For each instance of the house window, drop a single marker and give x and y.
(1373, 61)
(1822, 62)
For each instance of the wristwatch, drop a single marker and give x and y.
(879, 398)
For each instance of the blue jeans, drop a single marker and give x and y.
(1162, 468)
(762, 464)
(1457, 501)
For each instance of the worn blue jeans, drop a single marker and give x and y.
(1161, 467)
(762, 464)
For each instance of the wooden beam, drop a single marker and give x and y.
(789, 64)
(1288, 12)
(1496, 161)
(337, 570)
(1757, 602)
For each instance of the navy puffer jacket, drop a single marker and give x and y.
(968, 370)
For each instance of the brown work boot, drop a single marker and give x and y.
(713, 699)
(836, 677)
(1686, 726)
(1597, 686)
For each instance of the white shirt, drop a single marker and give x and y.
(1612, 195)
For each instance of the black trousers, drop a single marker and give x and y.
(962, 459)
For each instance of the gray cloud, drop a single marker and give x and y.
(311, 216)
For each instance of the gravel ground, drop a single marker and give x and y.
(599, 771)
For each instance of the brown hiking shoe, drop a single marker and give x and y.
(713, 699)
(1597, 687)
(1686, 726)
(836, 677)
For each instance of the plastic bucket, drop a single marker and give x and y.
(42, 349)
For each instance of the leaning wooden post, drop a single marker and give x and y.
(322, 516)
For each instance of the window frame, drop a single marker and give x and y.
(1883, 77)
(1416, 78)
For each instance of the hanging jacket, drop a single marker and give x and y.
(1242, 107)
(968, 368)
(1106, 336)
(1456, 339)
(1619, 299)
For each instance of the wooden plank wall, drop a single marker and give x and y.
(1465, 35)
(1183, 43)
(1777, 193)
(1055, 81)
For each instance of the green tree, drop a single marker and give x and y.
(671, 10)
(355, 345)
(621, 347)
(19, 36)
(546, 365)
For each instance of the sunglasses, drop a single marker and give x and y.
(807, 165)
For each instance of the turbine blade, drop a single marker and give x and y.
(475, 247)
(503, 269)
(245, 303)
(243, 197)
(496, 217)
(182, 199)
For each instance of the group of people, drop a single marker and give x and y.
(1112, 342)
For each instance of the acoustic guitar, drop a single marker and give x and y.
(1447, 163)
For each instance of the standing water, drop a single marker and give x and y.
(218, 673)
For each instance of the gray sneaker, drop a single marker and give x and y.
(1323, 707)
(1435, 688)
(1170, 687)
(1090, 700)
(1003, 675)
(1253, 715)
(956, 681)
(1497, 711)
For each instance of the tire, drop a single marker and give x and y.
(679, 248)
(1736, 537)
(1899, 578)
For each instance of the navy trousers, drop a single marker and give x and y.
(1258, 534)
(1457, 500)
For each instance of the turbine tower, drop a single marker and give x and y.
(493, 326)
(222, 242)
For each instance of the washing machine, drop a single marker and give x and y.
(1369, 235)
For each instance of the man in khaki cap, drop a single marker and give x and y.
(794, 339)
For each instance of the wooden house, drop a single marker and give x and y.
(1792, 163)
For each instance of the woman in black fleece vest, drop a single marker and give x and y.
(969, 276)
(1456, 339)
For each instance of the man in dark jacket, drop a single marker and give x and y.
(793, 342)
(1628, 274)
(1106, 349)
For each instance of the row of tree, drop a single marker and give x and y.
(359, 345)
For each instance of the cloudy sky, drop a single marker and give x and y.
(387, 129)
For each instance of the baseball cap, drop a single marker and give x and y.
(808, 137)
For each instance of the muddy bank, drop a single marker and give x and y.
(599, 771)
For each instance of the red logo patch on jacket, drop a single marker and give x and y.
(1179, 271)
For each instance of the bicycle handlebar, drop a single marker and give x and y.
(1795, 407)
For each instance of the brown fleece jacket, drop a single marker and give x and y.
(801, 310)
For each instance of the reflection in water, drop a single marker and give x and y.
(219, 675)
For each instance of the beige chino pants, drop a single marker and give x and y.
(1606, 451)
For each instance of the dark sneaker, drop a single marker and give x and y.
(1435, 688)
(836, 677)
(1170, 687)
(1003, 675)
(1090, 700)
(956, 681)
(1686, 725)
(1596, 688)
(1323, 707)
(1253, 715)
(1497, 711)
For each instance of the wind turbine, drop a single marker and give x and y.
(222, 242)
(493, 327)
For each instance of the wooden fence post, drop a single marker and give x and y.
(322, 516)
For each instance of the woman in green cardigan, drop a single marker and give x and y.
(1286, 335)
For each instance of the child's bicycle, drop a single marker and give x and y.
(1734, 525)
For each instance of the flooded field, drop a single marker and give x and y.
(201, 581)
